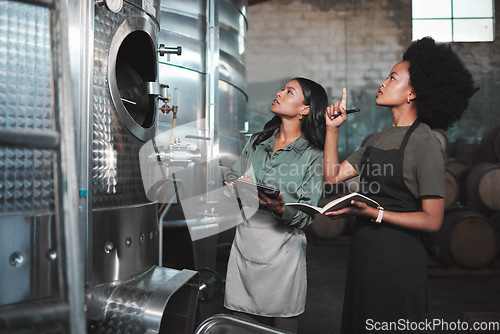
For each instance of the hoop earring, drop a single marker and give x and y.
(408, 100)
(300, 117)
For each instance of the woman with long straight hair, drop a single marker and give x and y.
(266, 275)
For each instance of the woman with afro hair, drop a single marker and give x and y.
(402, 169)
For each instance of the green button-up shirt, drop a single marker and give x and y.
(296, 170)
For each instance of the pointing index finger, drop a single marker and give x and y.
(344, 98)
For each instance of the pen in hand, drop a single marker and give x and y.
(348, 111)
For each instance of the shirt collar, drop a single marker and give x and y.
(299, 145)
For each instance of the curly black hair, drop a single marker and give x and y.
(313, 125)
(441, 82)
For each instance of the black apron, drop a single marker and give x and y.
(387, 270)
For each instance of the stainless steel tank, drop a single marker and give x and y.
(208, 83)
(123, 117)
(113, 66)
(126, 291)
(37, 158)
(110, 51)
(27, 184)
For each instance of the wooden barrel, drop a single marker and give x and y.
(467, 150)
(456, 166)
(463, 183)
(466, 239)
(483, 186)
(326, 228)
(494, 221)
(490, 145)
(452, 188)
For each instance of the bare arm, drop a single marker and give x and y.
(334, 171)
(428, 220)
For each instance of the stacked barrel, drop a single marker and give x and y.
(470, 234)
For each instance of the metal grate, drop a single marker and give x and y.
(26, 179)
(38, 189)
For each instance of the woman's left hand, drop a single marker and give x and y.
(275, 205)
(356, 208)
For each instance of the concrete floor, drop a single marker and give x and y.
(454, 294)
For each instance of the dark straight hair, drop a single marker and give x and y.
(312, 125)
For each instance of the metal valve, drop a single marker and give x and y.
(210, 287)
(165, 108)
(178, 155)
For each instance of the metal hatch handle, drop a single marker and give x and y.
(162, 49)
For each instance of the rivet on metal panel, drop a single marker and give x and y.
(51, 255)
(16, 259)
(108, 246)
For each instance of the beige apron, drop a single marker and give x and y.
(266, 273)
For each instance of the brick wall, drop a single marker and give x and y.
(352, 43)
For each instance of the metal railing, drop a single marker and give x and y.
(223, 323)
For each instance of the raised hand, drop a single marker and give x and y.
(336, 113)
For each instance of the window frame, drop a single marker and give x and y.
(453, 21)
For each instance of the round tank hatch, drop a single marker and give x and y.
(131, 74)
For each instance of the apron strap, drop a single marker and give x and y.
(408, 134)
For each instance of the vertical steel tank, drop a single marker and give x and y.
(209, 84)
(27, 184)
(122, 118)
(111, 53)
(113, 66)
(126, 291)
(38, 234)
